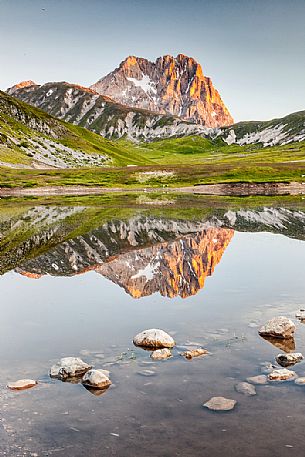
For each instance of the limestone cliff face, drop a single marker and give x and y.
(170, 85)
(177, 268)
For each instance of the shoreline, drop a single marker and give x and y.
(225, 189)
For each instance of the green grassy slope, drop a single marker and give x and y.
(23, 128)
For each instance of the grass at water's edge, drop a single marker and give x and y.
(154, 176)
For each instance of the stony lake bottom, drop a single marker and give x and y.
(82, 279)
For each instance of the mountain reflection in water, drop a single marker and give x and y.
(141, 253)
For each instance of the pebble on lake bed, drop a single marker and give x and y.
(278, 327)
(69, 367)
(220, 404)
(96, 379)
(22, 384)
(286, 360)
(161, 354)
(147, 373)
(245, 388)
(259, 380)
(194, 353)
(154, 338)
(282, 375)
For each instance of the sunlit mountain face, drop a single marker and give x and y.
(177, 268)
(142, 252)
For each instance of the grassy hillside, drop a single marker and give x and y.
(31, 137)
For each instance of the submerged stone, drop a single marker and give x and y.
(259, 380)
(278, 327)
(147, 373)
(282, 375)
(22, 384)
(286, 360)
(220, 404)
(96, 379)
(161, 354)
(154, 339)
(300, 381)
(245, 388)
(69, 367)
(194, 353)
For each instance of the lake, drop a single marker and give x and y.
(81, 277)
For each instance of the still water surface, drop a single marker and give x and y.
(87, 291)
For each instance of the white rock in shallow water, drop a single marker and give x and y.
(160, 354)
(278, 327)
(22, 384)
(259, 380)
(286, 360)
(282, 375)
(194, 353)
(69, 367)
(245, 388)
(220, 404)
(97, 379)
(300, 381)
(154, 338)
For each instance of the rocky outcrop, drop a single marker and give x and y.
(170, 85)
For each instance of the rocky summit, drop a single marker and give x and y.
(170, 85)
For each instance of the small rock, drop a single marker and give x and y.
(300, 381)
(286, 360)
(220, 404)
(245, 388)
(160, 354)
(259, 380)
(69, 367)
(300, 315)
(278, 327)
(194, 353)
(22, 384)
(96, 379)
(154, 338)
(282, 375)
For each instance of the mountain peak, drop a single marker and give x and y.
(21, 85)
(170, 85)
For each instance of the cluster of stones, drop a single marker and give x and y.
(279, 328)
(160, 344)
(68, 368)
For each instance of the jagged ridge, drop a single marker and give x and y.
(172, 85)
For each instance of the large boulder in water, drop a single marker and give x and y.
(69, 367)
(278, 327)
(154, 338)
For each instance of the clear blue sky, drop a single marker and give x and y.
(253, 50)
